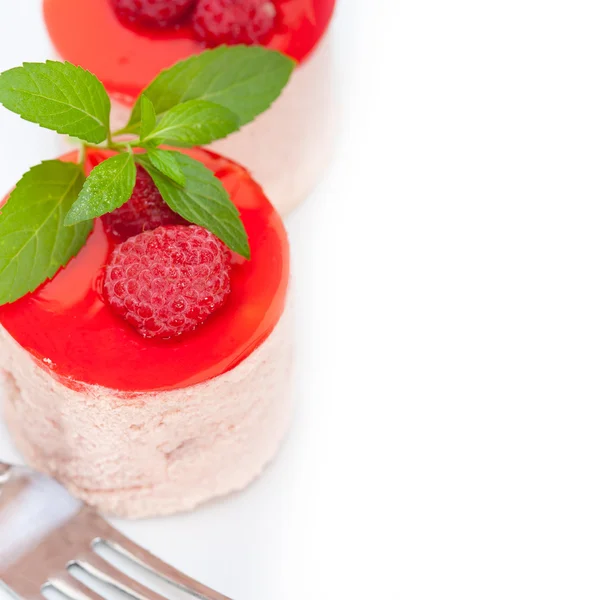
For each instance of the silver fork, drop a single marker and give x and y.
(45, 532)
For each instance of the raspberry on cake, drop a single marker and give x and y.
(168, 281)
(144, 211)
(127, 43)
(135, 424)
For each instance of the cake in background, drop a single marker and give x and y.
(126, 43)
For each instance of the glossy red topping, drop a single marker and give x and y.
(67, 325)
(144, 211)
(89, 33)
(230, 22)
(153, 13)
(168, 281)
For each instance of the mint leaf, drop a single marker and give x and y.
(166, 162)
(194, 123)
(244, 79)
(58, 96)
(148, 116)
(34, 243)
(108, 186)
(203, 201)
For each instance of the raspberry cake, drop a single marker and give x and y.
(126, 43)
(152, 372)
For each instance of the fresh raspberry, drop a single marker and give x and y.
(217, 22)
(144, 211)
(153, 13)
(168, 281)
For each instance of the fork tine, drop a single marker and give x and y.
(100, 569)
(72, 588)
(119, 543)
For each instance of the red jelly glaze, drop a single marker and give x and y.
(88, 33)
(68, 327)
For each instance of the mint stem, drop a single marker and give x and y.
(124, 131)
(116, 146)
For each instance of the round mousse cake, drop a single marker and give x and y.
(288, 147)
(141, 426)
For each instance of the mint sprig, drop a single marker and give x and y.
(244, 79)
(58, 96)
(193, 123)
(34, 241)
(148, 117)
(165, 161)
(50, 213)
(203, 201)
(107, 188)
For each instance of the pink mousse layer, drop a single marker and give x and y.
(151, 453)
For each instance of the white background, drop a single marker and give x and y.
(446, 441)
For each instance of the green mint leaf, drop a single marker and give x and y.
(148, 117)
(244, 79)
(194, 123)
(58, 96)
(203, 201)
(34, 243)
(166, 162)
(108, 186)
